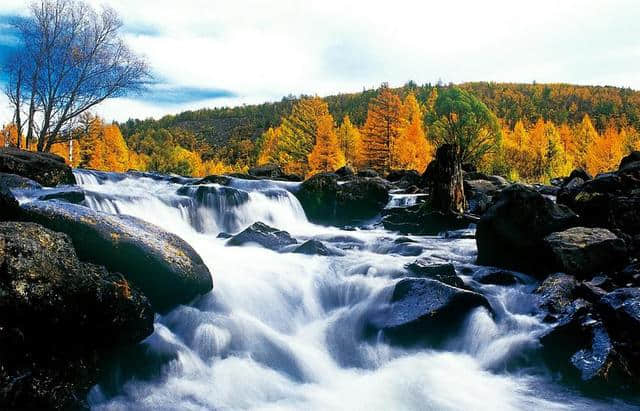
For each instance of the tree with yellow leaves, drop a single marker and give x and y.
(605, 152)
(115, 152)
(350, 142)
(9, 135)
(326, 154)
(412, 151)
(584, 135)
(298, 133)
(268, 146)
(382, 129)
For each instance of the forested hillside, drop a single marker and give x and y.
(560, 103)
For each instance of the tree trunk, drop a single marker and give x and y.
(444, 179)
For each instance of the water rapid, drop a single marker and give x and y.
(283, 331)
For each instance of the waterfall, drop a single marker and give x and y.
(285, 330)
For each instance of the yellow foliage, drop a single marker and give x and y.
(412, 151)
(350, 142)
(326, 154)
(605, 152)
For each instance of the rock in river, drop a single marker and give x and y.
(424, 310)
(58, 316)
(263, 235)
(45, 168)
(510, 234)
(583, 251)
(164, 266)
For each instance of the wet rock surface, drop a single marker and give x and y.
(58, 318)
(162, 265)
(424, 310)
(263, 235)
(44, 168)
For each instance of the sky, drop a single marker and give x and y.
(210, 53)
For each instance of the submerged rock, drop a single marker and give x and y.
(435, 270)
(510, 234)
(263, 235)
(424, 310)
(58, 318)
(161, 264)
(582, 251)
(315, 247)
(45, 168)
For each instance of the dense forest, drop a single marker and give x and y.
(533, 132)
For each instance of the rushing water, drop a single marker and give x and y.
(283, 330)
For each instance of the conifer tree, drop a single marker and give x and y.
(298, 133)
(326, 154)
(381, 129)
(412, 150)
(350, 142)
(268, 146)
(584, 135)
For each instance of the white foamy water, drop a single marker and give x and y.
(284, 331)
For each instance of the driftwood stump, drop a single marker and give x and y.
(444, 180)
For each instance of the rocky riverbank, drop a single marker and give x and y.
(77, 285)
(95, 279)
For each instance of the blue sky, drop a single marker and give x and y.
(208, 53)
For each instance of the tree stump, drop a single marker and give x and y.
(444, 180)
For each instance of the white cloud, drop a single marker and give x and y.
(261, 50)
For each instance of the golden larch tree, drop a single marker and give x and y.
(298, 133)
(350, 142)
(605, 152)
(326, 154)
(584, 135)
(268, 146)
(412, 151)
(381, 129)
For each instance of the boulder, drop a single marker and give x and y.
(621, 309)
(510, 233)
(45, 168)
(266, 171)
(14, 181)
(404, 178)
(421, 219)
(9, 205)
(345, 172)
(317, 195)
(556, 293)
(633, 157)
(582, 349)
(162, 265)
(496, 277)
(70, 194)
(435, 270)
(315, 247)
(367, 172)
(579, 173)
(59, 318)
(214, 179)
(263, 235)
(327, 202)
(421, 309)
(361, 198)
(583, 251)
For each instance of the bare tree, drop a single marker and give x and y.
(72, 58)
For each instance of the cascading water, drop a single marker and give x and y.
(284, 330)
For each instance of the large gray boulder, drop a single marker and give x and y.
(45, 168)
(164, 266)
(263, 235)
(58, 317)
(511, 233)
(583, 251)
(424, 310)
